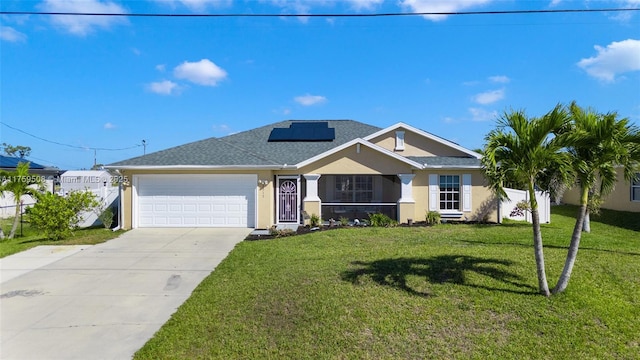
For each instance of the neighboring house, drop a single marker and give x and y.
(625, 196)
(278, 173)
(9, 164)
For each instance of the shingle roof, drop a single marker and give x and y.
(250, 148)
(446, 161)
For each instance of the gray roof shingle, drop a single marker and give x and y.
(250, 148)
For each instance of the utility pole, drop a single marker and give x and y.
(144, 147)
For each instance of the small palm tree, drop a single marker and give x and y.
(523, 149)
(598, 144)
(18, 183)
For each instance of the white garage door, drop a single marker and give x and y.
(196, 200)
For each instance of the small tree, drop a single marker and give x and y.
(16, 151)
(58, 216)
(522, 149)
(597, 143)
(19, 183)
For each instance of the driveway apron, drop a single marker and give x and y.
(107, 300)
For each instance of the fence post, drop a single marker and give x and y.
(21, 205)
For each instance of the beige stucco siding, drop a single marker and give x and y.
(483, 203)
(619, 199)
(349, 161)
(415, 145)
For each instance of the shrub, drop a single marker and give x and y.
(106, 217)
(275, 232)
(314, 220)
(520, 208)
(433, 217)
(57, 216)
(381, 220)
(344, 221)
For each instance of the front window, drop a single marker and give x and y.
(635, 188)
(449, 192)
(354, 188)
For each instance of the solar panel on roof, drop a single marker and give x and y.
(304, 131)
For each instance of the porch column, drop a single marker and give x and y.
(406, 204)
(311, 202)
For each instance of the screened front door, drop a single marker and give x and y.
(288, 204)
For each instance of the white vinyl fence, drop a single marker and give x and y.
(515, 196)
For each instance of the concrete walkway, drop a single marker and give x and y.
(103, 301)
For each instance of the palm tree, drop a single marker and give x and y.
(598, 145)
(18, 183)
(522, 149)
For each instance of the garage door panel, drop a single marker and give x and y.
(196, 200)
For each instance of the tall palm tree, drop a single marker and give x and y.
(522, 149)
(18, 183)
(599, 144)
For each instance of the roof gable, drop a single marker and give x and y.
(361, 142)
(443, 147)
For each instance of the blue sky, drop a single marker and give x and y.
(110, 82)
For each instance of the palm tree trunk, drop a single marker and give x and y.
(572, 253)
(1, 234)
(586, 224)
(16, 221)
(543, 286)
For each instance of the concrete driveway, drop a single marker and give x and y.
(105, 301)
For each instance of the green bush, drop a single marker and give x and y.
(56, 216)
(344, 221)
(314, 220)
(381, 220)
(433, 217)
(106, 217)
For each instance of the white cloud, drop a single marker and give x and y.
(164, 87)
(83, 25)
(440, 6)
(203, 72)
(196, 5)
(617, 58)
(555, 2)
(501, 79)
(10, 34)
(308, 100)
(489, 97)
(478, 114)
(364, 4)
(109, 126)
(161, 67)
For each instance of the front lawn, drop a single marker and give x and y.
(450, 291)
(30, 237)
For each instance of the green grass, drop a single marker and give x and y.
(31, 237)
(450, 291)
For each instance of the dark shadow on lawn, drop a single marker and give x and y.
(549, 246)
(436, 270)
(622, 219)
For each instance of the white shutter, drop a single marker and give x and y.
(434, 187)
(466, 192)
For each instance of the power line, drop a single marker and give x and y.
(68, 145)
(389, 14)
